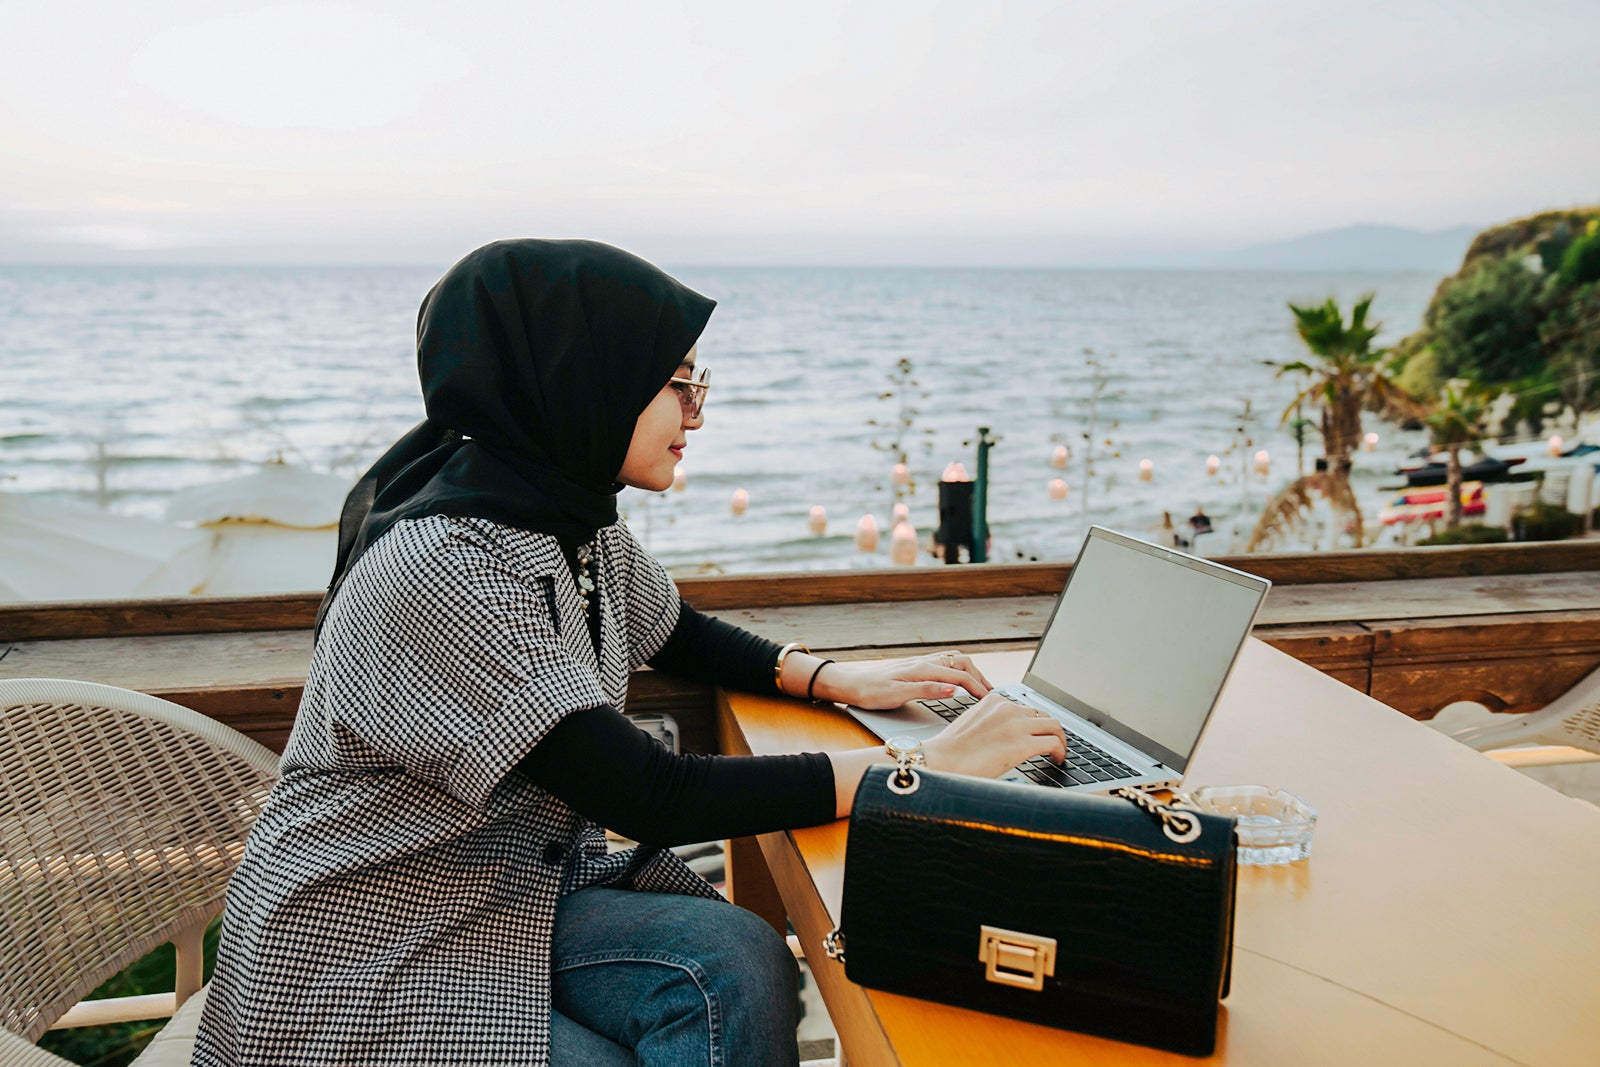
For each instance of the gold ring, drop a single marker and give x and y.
(946, 660)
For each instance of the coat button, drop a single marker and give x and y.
(552, 854)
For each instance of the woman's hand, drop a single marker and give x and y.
(988, 740)
(884, 684)
(994, 736)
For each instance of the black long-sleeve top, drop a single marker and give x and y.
(608, 770)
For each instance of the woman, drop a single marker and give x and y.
(429, 882)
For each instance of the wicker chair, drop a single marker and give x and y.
(1567, 730)
(121, 818)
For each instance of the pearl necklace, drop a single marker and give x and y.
(585, 575)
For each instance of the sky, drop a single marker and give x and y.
(1002, 133)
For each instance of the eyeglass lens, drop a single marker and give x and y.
(692, 392)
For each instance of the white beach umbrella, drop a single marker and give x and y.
(277, 493)
(55, 551)
(274, 531)
(254, 558)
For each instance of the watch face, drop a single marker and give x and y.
(907, 745)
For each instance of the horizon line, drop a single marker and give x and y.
(242, 264)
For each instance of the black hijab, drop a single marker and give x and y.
(536, 359)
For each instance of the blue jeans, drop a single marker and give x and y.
(669, 981)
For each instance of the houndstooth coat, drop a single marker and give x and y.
(396, 899)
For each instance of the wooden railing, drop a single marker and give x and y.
(292, 611)
(1510, 626)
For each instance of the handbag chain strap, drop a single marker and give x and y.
(833, 944)
(1179, 825)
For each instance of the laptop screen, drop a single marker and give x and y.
(1142, 640)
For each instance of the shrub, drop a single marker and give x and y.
(1580, 264)
(117, 1044)
(1468, 533)
(1529, 395)
(1421, 376)
(1553, 246)
(1571, 336)
(1485, 325)
(1542, 521)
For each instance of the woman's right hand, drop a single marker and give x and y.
(993, 736)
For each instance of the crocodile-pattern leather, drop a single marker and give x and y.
(1143, 926)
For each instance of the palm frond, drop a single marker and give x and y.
(1392, 402)
(1358, 314)
(1302, 397)
(1286, 511)
(1295, 502)
(1343, 498)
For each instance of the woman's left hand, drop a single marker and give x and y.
(887, 684)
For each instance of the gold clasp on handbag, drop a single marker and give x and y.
(1012, 958)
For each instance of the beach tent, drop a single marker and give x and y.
(249, 558)
(51, 550)
(273, 531)
(276, 493)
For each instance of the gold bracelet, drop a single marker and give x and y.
(777, 668)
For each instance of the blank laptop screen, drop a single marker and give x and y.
(1142, 641)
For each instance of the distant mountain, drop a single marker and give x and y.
(1359, 248)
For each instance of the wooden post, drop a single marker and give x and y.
(980, 501)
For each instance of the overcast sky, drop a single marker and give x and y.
(746, 132)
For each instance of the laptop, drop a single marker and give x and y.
(1132, 663)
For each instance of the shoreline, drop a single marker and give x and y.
(263, 557)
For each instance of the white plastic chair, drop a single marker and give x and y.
(121, 818)
(1565, 731)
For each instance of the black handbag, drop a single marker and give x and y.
(1106, 915)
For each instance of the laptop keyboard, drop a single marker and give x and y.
(1085, 763)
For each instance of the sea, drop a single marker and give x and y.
(122, 384)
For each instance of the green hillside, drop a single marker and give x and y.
(1521, 317)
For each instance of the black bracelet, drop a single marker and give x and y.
(811, 686)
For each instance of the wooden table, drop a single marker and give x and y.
(1449, 913)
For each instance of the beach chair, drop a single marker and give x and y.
(121, 818)
(1565, 731)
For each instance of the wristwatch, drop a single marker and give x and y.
(906, 751)
(907, 755)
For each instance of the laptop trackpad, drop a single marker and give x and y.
(908, 720)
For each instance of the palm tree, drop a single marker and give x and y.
(1347, 377)
(1454, 423)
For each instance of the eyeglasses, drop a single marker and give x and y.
(692, 392)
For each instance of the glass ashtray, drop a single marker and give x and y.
(1274, 825)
